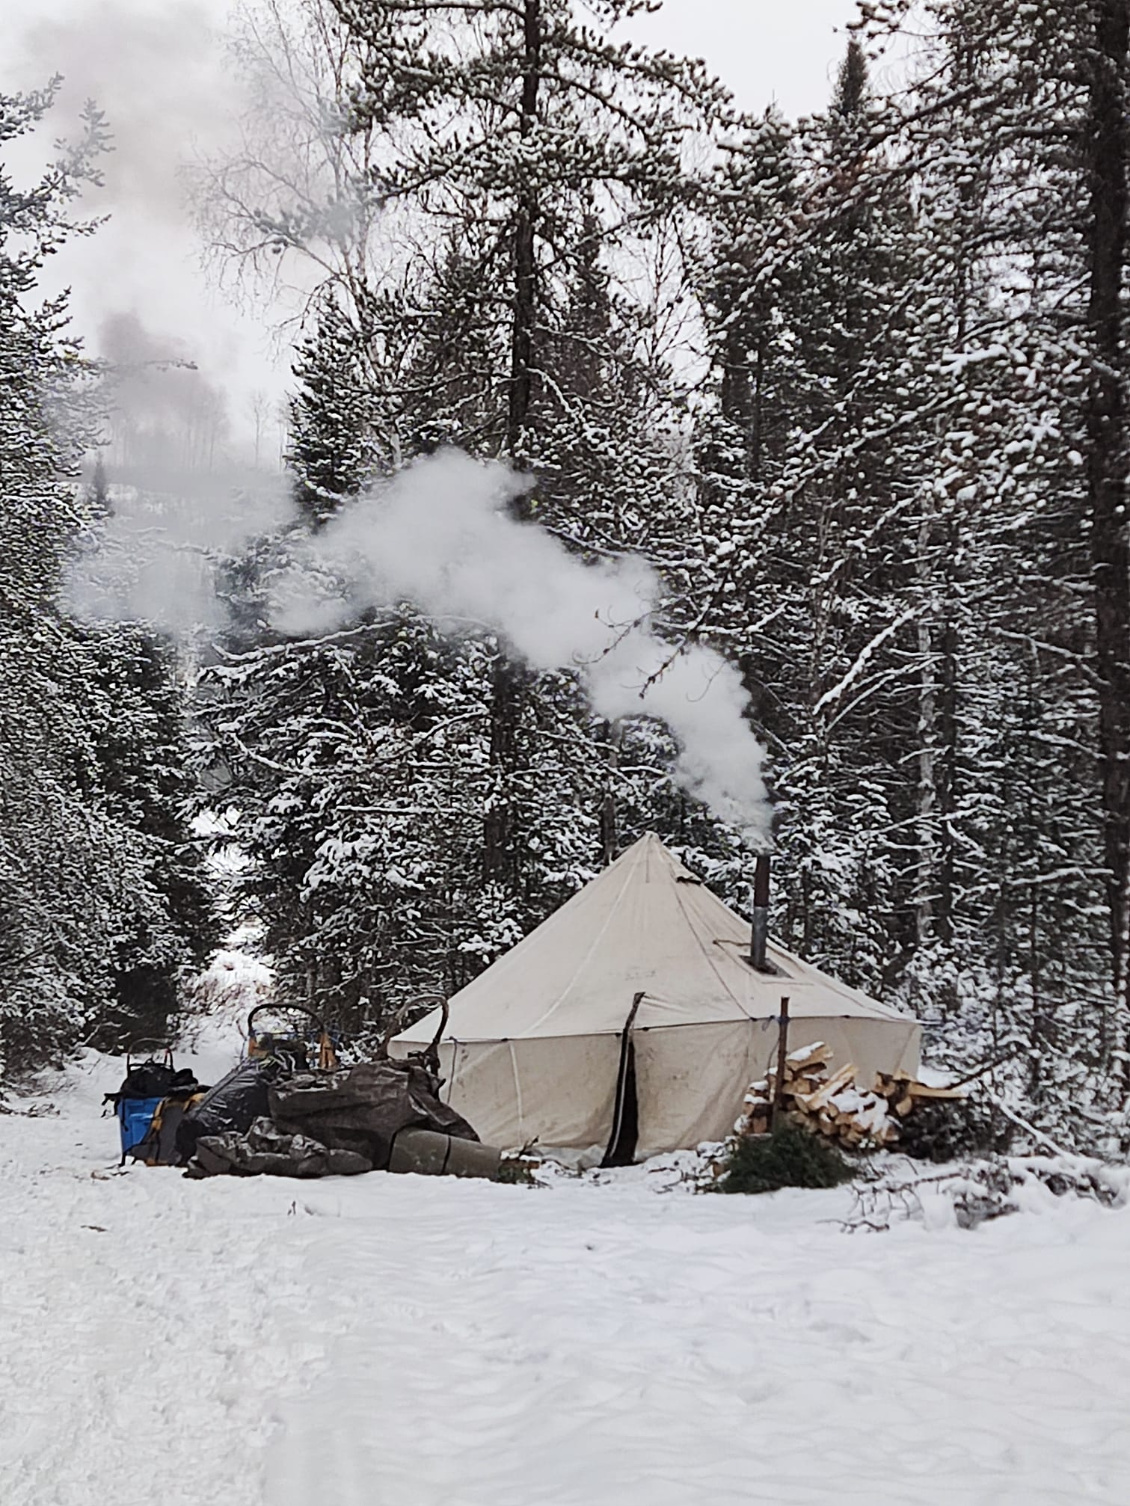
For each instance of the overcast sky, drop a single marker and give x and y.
(157, 69)
(766, 51)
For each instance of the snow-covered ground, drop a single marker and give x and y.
(386, 1341)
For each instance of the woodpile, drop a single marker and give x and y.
(831, 1104)
(905, 1094)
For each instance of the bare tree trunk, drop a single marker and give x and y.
(947, 778)
(525, 242)
(927, 813)
(499, 849)
(499, 862)
(1107, 149)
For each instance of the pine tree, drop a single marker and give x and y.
(101, 901)
(331, 419)
(991, 813)
(557, 365)
(811, 490)
(569, 147)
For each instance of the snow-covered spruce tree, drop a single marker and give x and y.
(569, 148)
(1026, 223)
(807, 298)
(331, 416)
(751, 397)
(528, 115)
(55, 907)
(94, 917)
(141, 743)
(917, 281)
(492, 136)
(1106, 164)
(937, 517)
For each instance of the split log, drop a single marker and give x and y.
(896, 1086)
(845, 1077)
(805, 1058)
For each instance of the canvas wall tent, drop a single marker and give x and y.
(533, 1045)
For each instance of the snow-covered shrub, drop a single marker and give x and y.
(976, 1192)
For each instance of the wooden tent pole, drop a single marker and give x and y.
(782, 1055)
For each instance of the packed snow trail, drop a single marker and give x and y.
(400, 1341)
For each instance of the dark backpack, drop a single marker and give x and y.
(154, 1079)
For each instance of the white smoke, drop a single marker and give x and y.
(161, 72)
(440, 536)
(159, 555)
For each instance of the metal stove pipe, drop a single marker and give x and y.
(759, 934)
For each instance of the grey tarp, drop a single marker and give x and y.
(327, 1123)
(266, 1151)
(364, 1108)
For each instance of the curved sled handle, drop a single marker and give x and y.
(152, 1047)
(327, 1056)
(289, 1009)
(431, 1053)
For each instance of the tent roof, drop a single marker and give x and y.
(645, 924)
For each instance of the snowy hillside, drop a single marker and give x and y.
(439, 1343)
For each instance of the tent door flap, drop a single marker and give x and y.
(625, 1110)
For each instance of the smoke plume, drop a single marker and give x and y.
(441, 537)
(159, 555)
(161, 73)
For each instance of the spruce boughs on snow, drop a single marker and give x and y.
(788, 1156)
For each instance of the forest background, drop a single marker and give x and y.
(854, 386)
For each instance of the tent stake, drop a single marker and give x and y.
(782, 1054)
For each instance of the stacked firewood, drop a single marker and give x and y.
(905, 1094)
(833, 1105)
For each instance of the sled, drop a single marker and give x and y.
(147, 1083)
(291, 1034)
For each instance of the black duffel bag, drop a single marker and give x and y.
(234, 1103)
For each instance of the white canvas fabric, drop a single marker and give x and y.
(532, 1046)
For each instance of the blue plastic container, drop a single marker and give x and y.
(135, 1115)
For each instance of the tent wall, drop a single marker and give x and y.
(558, 1090)
(690, 1079)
